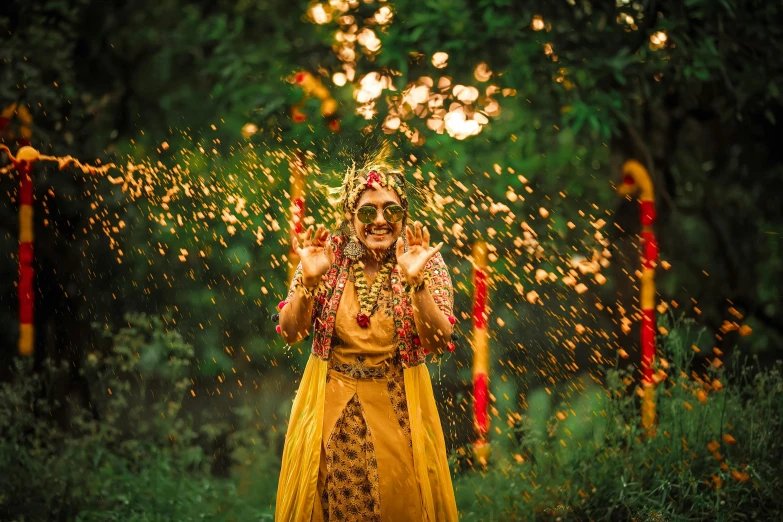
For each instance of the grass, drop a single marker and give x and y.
(716, 454)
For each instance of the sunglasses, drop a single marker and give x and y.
(392, 213)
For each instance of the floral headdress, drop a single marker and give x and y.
(376, 171)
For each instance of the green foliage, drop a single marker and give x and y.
(135, 455)
(114, 82)
(596, 462)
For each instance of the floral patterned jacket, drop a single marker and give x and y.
(329, 292)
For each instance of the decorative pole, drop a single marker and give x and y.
(480, 352)
(297, 166)
(637, 179)
(23, 163)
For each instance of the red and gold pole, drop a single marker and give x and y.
(26, 273)
(637, 179)
(23, 164)
(480, 352)
(297, 167)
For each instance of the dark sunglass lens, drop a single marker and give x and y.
(366, 214)
(393, 213)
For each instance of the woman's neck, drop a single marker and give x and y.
(372, 262)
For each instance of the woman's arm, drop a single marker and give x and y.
(432, 295)
(317, 256)
(297, 314)
(433, 326)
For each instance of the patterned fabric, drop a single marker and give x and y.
(395, 385)
(357, 369)
(329, 292)
(351, 489)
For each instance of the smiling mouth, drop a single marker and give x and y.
(378, 232)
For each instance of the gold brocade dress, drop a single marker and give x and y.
(366, 470)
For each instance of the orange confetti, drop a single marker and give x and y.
(733, 311)
(687, 405)
(729, 439)
(745, 330)
(739, 476)
(701, 395)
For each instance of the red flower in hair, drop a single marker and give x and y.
(373, 177)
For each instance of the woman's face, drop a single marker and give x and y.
(379, 235)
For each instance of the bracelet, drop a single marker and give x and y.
(304, 291)
(419, 286)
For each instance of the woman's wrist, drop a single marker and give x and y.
(418, 286)
(311, 283)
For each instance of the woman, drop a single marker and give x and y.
(364, 441)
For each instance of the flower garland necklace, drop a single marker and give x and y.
(368, 301)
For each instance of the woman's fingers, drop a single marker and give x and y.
(417, 232)
(409, 235)
(316, 241)
(425, 237)
(324, 234)
(306, 240)
(295, 246)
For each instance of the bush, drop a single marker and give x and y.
(134, 456)
(715, 456)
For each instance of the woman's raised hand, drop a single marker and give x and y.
(316, 254)
(419, 252)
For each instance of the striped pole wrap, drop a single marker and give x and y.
(480, 351)
(637, 179)
(23, 164)
(26, 273)
(297, 168)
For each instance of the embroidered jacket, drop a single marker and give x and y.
(327, 299)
